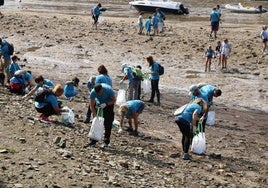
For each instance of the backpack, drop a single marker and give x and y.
(42, 94)
(161, 69)
(137, 74)
(10, 48)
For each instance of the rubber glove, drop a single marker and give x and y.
(103, 105)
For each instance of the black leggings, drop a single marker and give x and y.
(155, 89)
(47, 110)
(187, 134)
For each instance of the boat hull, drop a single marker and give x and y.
(239, 9)
(143, 8)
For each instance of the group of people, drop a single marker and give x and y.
(222, 51)
(201, 96)
(156, 22)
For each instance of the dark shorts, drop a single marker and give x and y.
(95, 18)
(214, 26)
(264, 40)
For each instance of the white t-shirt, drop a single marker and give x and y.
(226, 48)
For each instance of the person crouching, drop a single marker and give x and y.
(50, 105)
(131, 110)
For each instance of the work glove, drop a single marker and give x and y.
(103, 105)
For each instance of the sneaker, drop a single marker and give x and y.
(129, 129)
(104, 145)
(120, 130)
(92, 143)
(44, 119)
(134, 133)
(186, 156)
(87, 120)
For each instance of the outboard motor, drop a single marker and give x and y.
(183, 10)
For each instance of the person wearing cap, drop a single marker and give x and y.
(154, 77)
(14, 66)
(186, 122)
(50, 106)
(40, 82)
(133, 87)
(131, 110)
(206, 92)
(102, 96)
(90, 86)
(95, 14)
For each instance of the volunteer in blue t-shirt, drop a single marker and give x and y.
(154, 77)
(102, 96)
(187, 120)
(5, 54)
(131, 110)
(50, 106)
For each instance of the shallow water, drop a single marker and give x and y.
(199, 10)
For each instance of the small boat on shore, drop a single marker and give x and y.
(241, 9)
(166, 6)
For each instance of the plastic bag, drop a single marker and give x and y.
(67, 117)
(199, 141)
(146, 86)
(97, 127)
(100, 20)
(211, 118)
(121, 97)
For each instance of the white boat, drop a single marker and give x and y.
(165, 5)
(241, 9)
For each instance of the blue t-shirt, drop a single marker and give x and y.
(5, 49)
(27, 77)
(187, 114)
(96, 11)
(50, 99)
(160, 16)
(214, 16)
(103, 78)
(208, 90)
(155, 22)
(13, 67)
(105, 97)
(47, 82)
(202, 95)
(148, 25)
(209, 53)
(128, 71)
(134, 106)
(154, 68)
(69, 90)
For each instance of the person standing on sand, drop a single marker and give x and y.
(264, 37)
(5, 54)
(209, 54)
(95, 15)
(155, 22)
(214, 19)
(148, 25)
(140, 23)
(187, 120)
(218, 52)
(226, 49)
(154, 77)
(161, 17)
(103, 76)
(132, 87)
